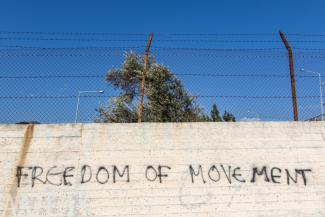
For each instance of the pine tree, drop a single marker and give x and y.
(215, 117)
(228, 117)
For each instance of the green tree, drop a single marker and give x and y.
(228, 117)
(215, 117)
(166, 99)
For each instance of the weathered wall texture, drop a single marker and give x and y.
(194, 169)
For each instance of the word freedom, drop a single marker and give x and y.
(102, 175)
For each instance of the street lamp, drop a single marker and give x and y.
(78, 100)
(320, 90)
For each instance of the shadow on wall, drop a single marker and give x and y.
(28, 122)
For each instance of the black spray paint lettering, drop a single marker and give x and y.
(200, 172)
(19, 175)
(258, 172)
(152, 173)
(274, 175)
(301, 172)
(66, 175)
(237, 175)
(35, 175)
(215, 174)
(126, 171)
(50, 174)
(86, 170)
(104, 174)
(63, 176)
(53, 176)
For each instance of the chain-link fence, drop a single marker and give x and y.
(61, 84)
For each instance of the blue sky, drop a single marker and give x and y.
(167, 16)
(160, 17)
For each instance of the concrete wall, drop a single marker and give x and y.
(190, 169)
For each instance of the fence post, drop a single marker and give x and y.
(292, 76)
(145, 68)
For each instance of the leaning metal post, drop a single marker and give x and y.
(292, 76)
(145, 68)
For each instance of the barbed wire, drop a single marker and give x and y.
(158, 48)
(153, 48)
(135, 34)
(137, 47)
(53, 97)
(192, 96)
(72, 39)
(70, 48)
(73, 33)
(245, 77)
(158, 40)
(106, 51)
(159, 34)
(176, 74)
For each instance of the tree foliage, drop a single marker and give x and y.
(215, 117)
(228, 117)
(166, 99)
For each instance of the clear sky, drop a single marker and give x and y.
(160, 17)
(165, 16)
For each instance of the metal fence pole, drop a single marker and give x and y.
(292, 76)
(145, 68)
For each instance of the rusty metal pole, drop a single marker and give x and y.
(145, 68)
(292, 76)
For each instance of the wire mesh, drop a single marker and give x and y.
(42, 84)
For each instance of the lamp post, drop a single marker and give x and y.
(320, 90)
(78, 100)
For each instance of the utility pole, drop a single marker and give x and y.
(292, 76)
(145, 69)
(321, 84)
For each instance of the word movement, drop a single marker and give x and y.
(37, 175)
